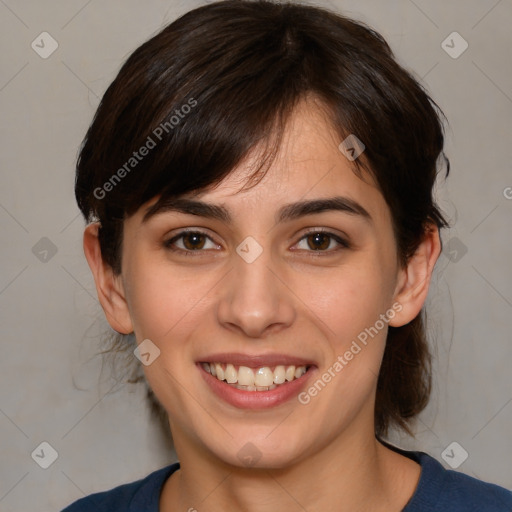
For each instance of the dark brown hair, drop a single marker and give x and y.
(222, 80)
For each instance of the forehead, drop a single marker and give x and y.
(308, 165)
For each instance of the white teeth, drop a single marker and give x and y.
(247, 379)
(245, 376)
(230, 374)
(219, 371)
(245, 388)
(263, 377)
(300, 371)
(279, 375)
(255, 388)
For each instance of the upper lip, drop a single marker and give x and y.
(256, 361)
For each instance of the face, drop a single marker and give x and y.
(298, 273)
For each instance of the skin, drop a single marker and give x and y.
(292, 299)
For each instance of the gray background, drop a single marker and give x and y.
(51, 385)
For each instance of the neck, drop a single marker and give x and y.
(355, 472)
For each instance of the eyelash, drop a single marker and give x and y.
(168, 244)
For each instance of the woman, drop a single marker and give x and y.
(258, 185)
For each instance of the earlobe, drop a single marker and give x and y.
(414, 280)
(108, 286)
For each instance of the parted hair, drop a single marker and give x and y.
(222, 80)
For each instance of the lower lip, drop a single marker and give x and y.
(256, 399)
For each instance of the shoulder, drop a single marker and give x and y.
(442, 489)
(141, 495)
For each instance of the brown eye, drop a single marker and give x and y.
(318, 241)
(194, 241)
(322, 241)
(191, 241)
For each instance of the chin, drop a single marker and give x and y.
(262, 451)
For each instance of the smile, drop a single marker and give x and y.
(264, 378)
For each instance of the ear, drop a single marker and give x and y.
(414, 280)
(108, 286)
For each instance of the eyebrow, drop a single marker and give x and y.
(286, 213)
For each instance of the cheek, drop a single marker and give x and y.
(151, 305)
(161, 297)
(168, 308)
(351, 307)
(349, 300)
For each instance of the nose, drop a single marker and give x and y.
(256, 300)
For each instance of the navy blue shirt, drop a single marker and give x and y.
(438, 490)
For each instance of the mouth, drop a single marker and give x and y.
(256, 382)
(263, 378)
